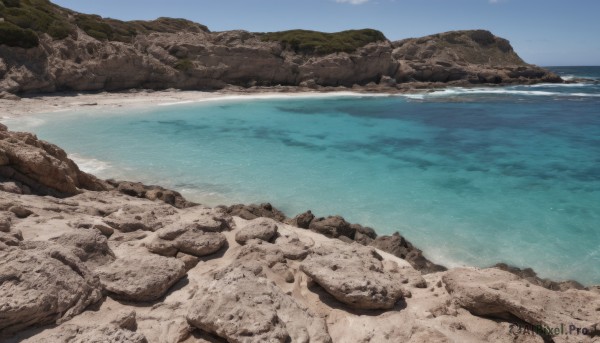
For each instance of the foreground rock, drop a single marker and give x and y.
(261, 228)
(243, 307)
(499, 294)
(197, 239)
(356, 276)
(121, 329)
(141, 278)
(90, 246)
(38, 167)
(43, 283)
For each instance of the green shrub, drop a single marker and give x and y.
(60, 30)
(313, 42)
(12, 3)
(13, 35)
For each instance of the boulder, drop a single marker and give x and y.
(141, 277)
(261, 228)
(499, 294)
(20, 211)
(43, 283)
(43, 167)
(250, 212)
(333, 227)
(243, 307)
(400, 247)
(187, 238)
(355, 275)
(303, 220)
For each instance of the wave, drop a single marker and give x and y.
(448, 92)
(90, 165)
(274, 96)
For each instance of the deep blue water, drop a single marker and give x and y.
(471, 176)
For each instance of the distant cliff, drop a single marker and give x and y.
(46, 48)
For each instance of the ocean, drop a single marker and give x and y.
(471, 176)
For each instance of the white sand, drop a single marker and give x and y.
(141, 99)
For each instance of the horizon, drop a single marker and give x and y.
(535, 29)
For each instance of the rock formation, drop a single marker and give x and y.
(89, 53)
(38, 167)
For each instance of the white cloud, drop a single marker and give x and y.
(352, 2)
(496, 1)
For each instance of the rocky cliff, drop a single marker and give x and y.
(46, 48)
(128, 263)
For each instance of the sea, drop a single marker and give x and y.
(472, 176)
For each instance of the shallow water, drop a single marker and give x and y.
(474, 176)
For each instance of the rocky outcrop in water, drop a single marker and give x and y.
(96, 54)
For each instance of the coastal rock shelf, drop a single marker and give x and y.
(113, 265)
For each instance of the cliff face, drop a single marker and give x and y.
(103, 54)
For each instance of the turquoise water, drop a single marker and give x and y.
(473, 177)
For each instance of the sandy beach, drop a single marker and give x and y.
(59, 102)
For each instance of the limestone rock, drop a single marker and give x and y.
(141, 278)
(89, 245)
(250, 212)
(121, 329)
(131, 218)
(5, 222)
(333, 227)
(187, 238)
(243, 307)
(499, 294)
(12, 238)
(531, 276)
(400, 247)
(261, 228)
(355, 276)
(189, 261)
(43, 167)
(43, 284)
(20, 211)
(140, 190)
(303, 220)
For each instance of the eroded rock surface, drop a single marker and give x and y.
(39, 167)
(144, 277)
(197, 239)
(499, 294)
(42, 284)
(261, 228)
(356, 276)
(243, 307)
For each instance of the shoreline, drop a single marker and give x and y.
(57, 103)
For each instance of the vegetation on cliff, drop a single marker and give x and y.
(314, 42)
(25, 20)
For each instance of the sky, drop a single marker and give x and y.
(542, 32)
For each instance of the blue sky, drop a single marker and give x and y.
(543, 32)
